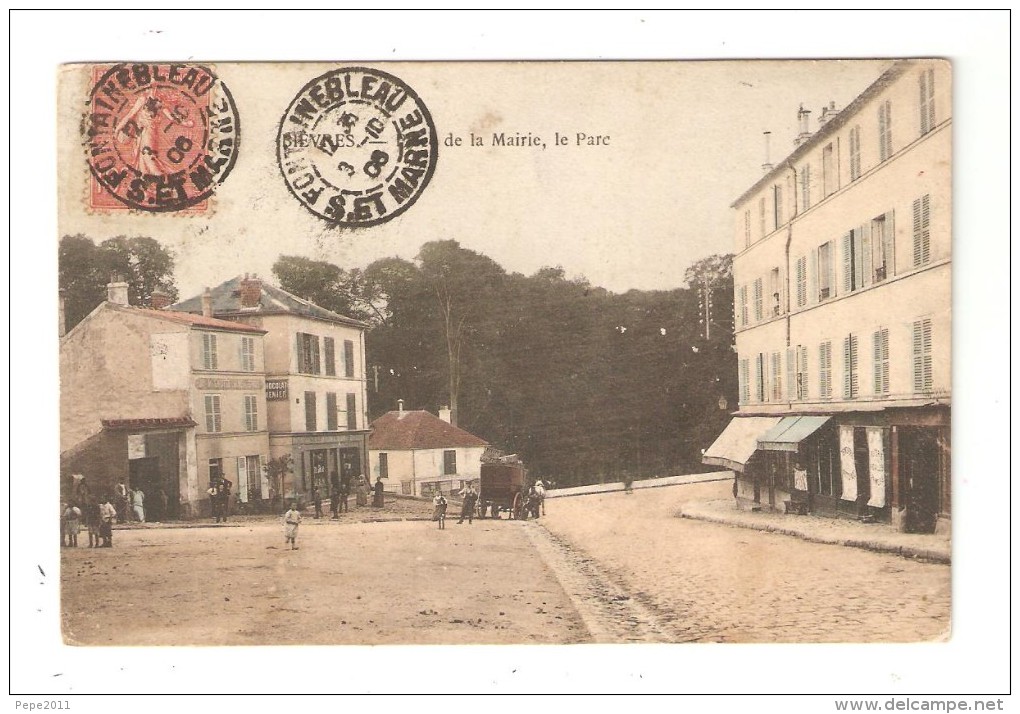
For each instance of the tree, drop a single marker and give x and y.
(85, 269)
(345, 292)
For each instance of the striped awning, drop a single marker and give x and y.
(789, 432)
(738, 442)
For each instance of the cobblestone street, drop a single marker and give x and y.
(707, 582)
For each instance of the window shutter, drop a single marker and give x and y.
(791, 375)
(847, 263)
(925, 225)
(803, 372)
(742, 381)
(864, 257)
(310, 424)
(242, 479)
(846, 367)
(348, 358)
(300, 353)
(825, 370)
(926, 362)
(352, 411)
(889, 238)
(330, 356)
(813, 278)
(331, 411)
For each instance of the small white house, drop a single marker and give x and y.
(417, 452)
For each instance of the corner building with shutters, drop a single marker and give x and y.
(842, 275)
(316, 389)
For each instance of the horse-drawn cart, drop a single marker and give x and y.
(502, 489)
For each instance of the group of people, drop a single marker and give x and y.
(96, 514)
(534, 503)
(219, 499)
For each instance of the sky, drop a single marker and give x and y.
(699, 143)
(682, 141)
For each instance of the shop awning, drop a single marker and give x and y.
(738, 442)
(788, 433)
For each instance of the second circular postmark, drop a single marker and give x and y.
(357, 146)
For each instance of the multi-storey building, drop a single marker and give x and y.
(843, 307)
(161, 400)
(316, 389)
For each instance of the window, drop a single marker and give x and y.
(744, 379)
(747, 228)
(743, 306)
(851, 379)
(348, 358)
(927, 86)
(384, 465)
(884, 130)
(805, 187)
(249, 479)
(310, 411)
(213, 423)
(775, 289)
(759, 307)
(308, 354)
(880, 341)
(825, 370)
(352, 411)
(215, 470)
(882, 247)
(449, 462)
(247, 354)
(776, 365)
(209, 360)
(825, 290)
(329, 348)
(922, 356)
(331, 409)
(759, 378)
(800, 274)
(828, 172)
(802, 372)
(251, 413)
(855, 153)
(777, 206)
(922, 232)
(855, 249)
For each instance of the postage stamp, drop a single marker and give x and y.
(357, 146)
(159, 137)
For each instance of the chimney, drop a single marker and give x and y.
(159, 300)
(251, 291)
(444, 414)
(207, 303)
(400, 406)
(62, 319)
(827, 113)
(804, 133)
(117, 291)
(767, 166)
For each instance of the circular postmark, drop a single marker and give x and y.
(357, 146)
(161, 137)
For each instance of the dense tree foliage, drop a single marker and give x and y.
(584, 384)
(85, 269)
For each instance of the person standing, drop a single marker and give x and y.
(214, 501)
(70, 525)
(93, 521)
(123, 510)
(164, 504)
(470, 496)
(378, 499)
(138, 504)
(316, 500)
(345, 492)
(439, 512)
(334, 501)
(107, 515)
(291, 521)
(361, 491)
(226, 484)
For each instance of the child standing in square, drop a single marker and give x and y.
(291, 521)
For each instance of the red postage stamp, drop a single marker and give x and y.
(159, 137)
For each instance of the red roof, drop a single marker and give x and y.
(418, 430)
(148, 423)
(187, 318)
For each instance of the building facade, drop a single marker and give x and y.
(842, 275)
(163, 401)
(417, 453)
(316, 390)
